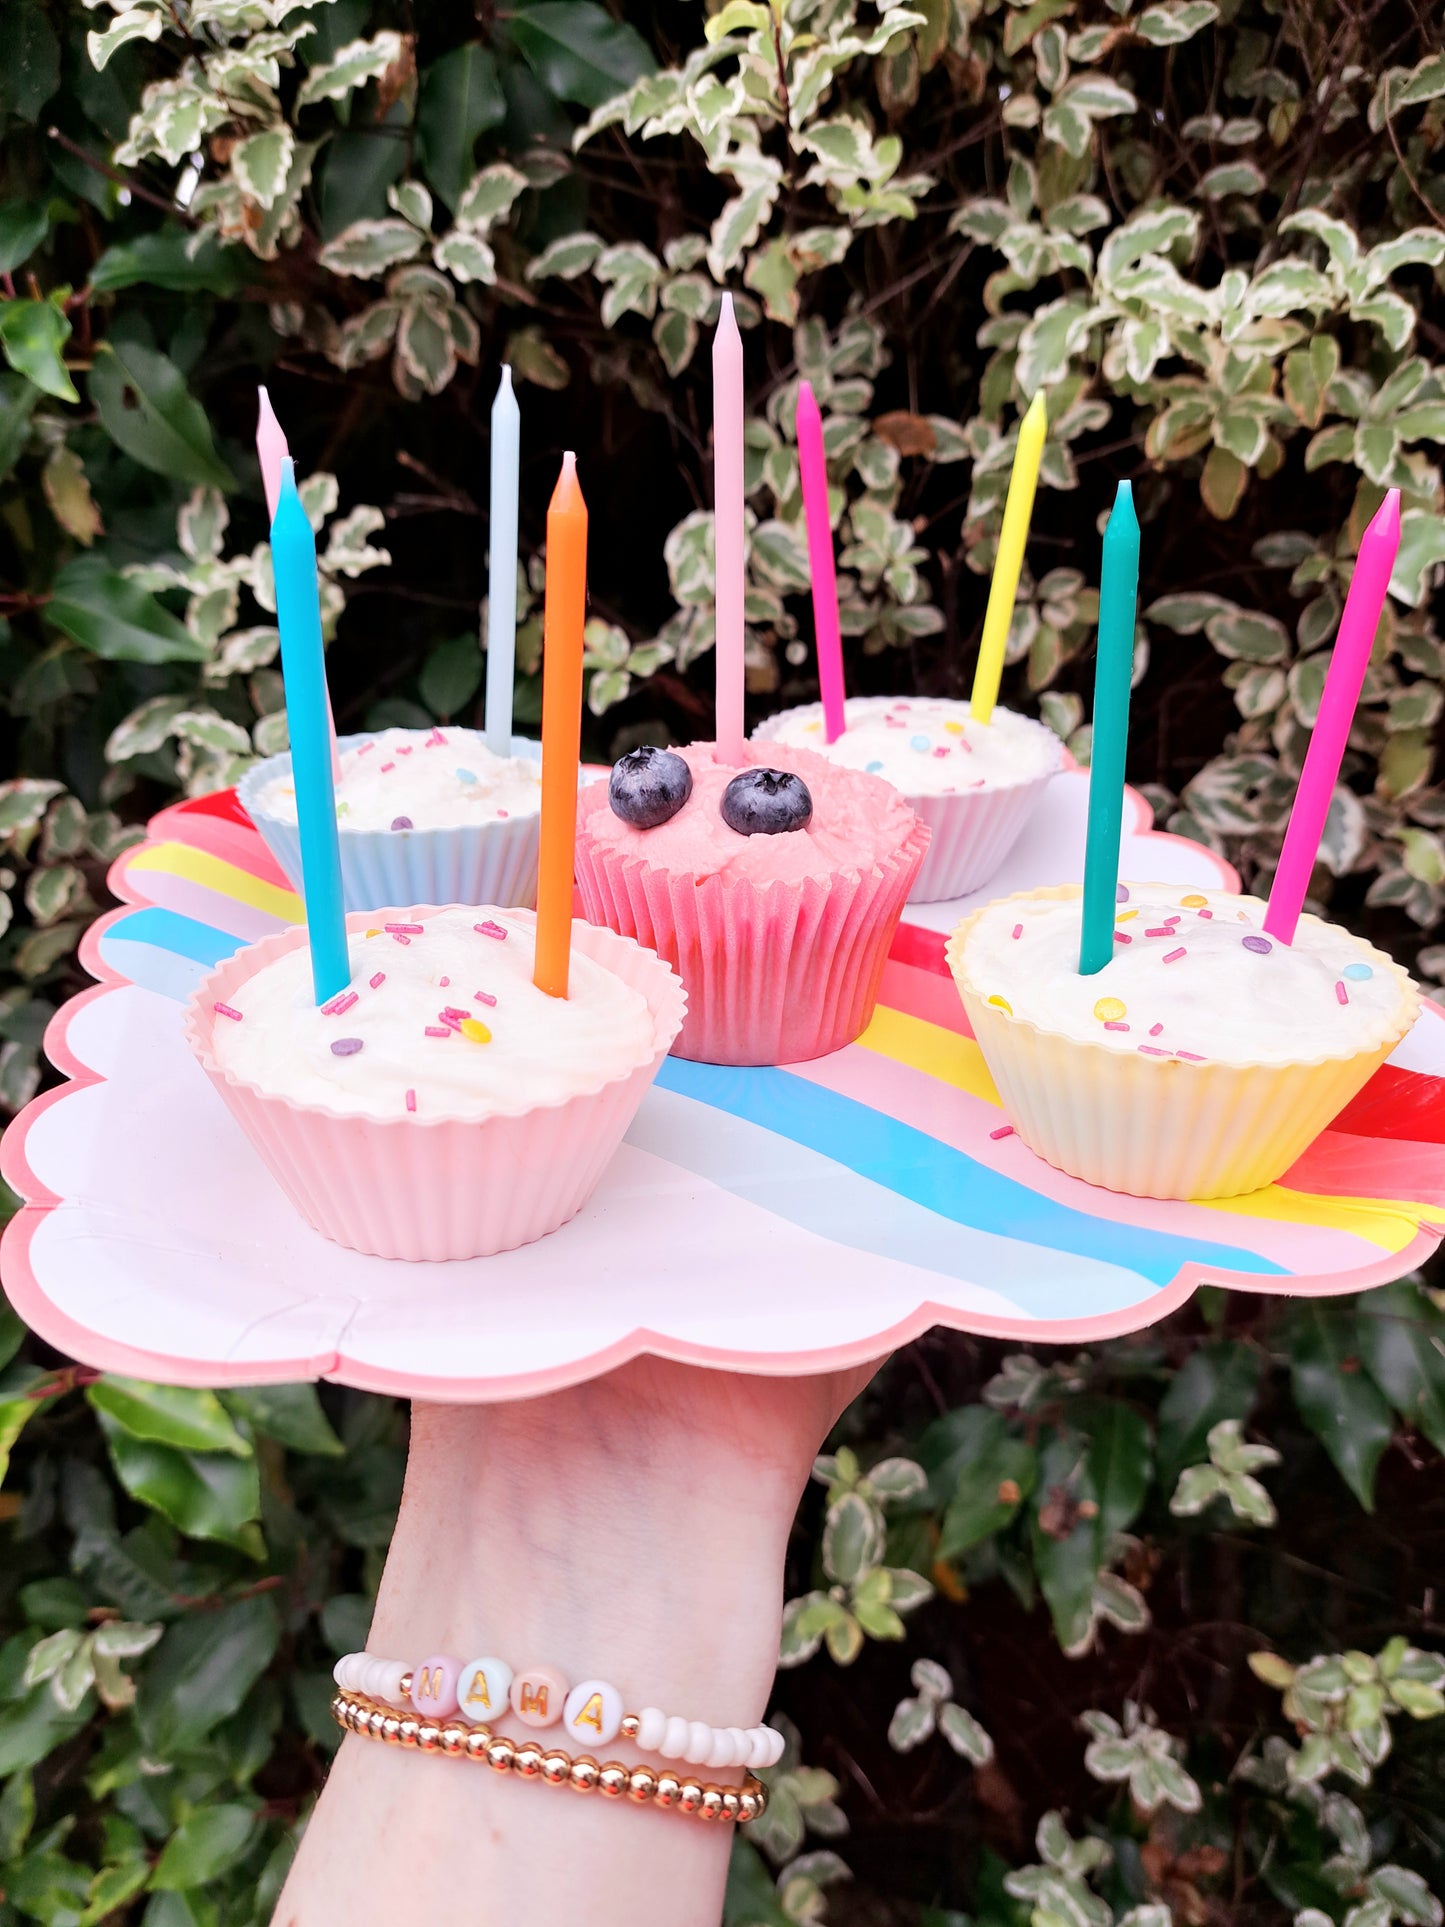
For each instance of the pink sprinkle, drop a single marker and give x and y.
(1116, 1026)
(225, 1010)
(1004, 1130)
(397, 937)
(339, 1004)
(485, 997)
(490, 929)
(364, 748)
(1161, 930)
(411, 1100)
(436, 740)
(504, 812)
(405, 749)
(1154, 1029)
(410, 929)
(1207, 915)
(452, 1023)
(1153, 1050)
(450, 1014)
(444, 982)
(1192, 1055)
(1119, 937)
(386, 766)
(437, 1030)
(1341, 994)
(1018, 930)
(378, 980)
(1171, 921)
(1175, 955)
(941, 752)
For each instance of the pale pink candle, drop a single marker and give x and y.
(820, 561)
(1348, 662)
(727, 447)
(272, 450)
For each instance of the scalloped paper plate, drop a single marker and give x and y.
(774, 1220)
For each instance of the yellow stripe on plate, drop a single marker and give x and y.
(213, 873)
(930, 1048)
(1377, 1220)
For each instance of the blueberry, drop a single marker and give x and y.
(648, 785)
(764, 802)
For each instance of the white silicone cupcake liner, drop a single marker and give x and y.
(418, 1187)
(472, 863)
(774, 975)
(973, 830)
(1158, 1127)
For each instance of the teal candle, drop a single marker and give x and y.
(1118, 598)
(303, 666)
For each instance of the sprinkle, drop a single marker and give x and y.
(452, 1023)
(1160, 930)
(1108, 1009)
(437, 1030)
(1208, 915)
(813, 728)
(1125, 916)
(1002, 1005)
(436, 740)
(346, 1047)
(873, 768)
(397, 937)
(225, 1010)
(407, 929)
(450, 1013)
(1004, 1130)
(1259, 945)
(1152, 1050)
(378, 980)
(365, 747)
(476, 1030)
(954, 729)
(1192, 1056)
(386, 766)
(942, 749)
(411, 1100)
(341, 1002)
(1119, 937)
(1175, 955)
(1171, 921)
(919, 743)
(1154, 1029)
(504, 812)
(490, 929)
(402, 823)
(405, 749)
(1121, 894)
(1116, 1026)
(485, 997)
(1018, 931)
(343, 809)
(443, 983)
(1193, 903)
(465, 775)
(1357, 973)
(1342, 996)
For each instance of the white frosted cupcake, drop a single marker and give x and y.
(441, 1106)
(1201, 1060)
(974, 784)
(424, 816)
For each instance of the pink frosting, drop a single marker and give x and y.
(857, 819)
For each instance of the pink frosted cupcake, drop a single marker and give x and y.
(442, 1106)
(772, 887)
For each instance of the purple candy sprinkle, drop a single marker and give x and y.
(1121, 894)
(490, 929)
(402, 823)
(1259, 945)
(346, 1047)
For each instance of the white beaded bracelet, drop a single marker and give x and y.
(591, 1712)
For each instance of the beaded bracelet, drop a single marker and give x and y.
(591, 1712)
(698, 1800)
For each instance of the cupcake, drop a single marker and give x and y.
(974, 784)
(424, 816)
(1201, 1060)
(441, 1106)
(773, 888)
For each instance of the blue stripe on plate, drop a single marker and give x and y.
(150, 944)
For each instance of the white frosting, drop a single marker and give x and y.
(925, 745)
(442, 779)
(541, 1050)
(1200, 991)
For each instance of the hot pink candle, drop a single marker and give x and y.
(727, 454)
(820, 561)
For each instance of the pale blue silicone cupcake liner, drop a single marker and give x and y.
(477, 863)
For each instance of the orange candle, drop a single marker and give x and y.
(564, 611)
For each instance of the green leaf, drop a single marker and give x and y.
(1219, 1381)
(23, 226)
(1222, 485)
(202, 1671)
(210, 1495)
(368, 248)
(290, 1413)
(352, 67)
(460, 99)
(149, 413)
(452, 676)
(579, 52)
(18, 401)
(29, 60)
(32, 1727)
(32, 334)
(114, 618)
(852, 1539)
(1337, 1400)
(991, 1487)
(192, 1421)
(205, 1846)
(1402, 1342)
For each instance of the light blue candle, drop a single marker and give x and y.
(303, 666)
(502, 573)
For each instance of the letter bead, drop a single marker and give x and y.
(592, 1713)
(483, 1689)
(538, 1695)
(434, 1687)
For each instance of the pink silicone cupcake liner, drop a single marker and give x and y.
(773, 975)
(973, 831)
(419, 1187)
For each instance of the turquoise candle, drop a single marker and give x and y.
(502, 567)
(1118, 598)
(303, 666)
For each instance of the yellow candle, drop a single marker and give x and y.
(1012, 537)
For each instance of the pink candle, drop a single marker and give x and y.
(727, 445)
(1348, 661)
(820, 560)
(272, 450)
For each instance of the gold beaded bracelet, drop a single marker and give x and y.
(372, 1720)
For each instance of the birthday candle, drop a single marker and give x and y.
(727, 455)
(272, 451)
(298, 615)
(1349, 659)
(502, 567)
(564, 610)
(1012, 536)
(1118, 597)
(820, 561)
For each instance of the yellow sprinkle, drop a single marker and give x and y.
(1123, 916)
(1109, 1010)
(1193, 903)
(477, 1031)
(1003, 1004)
(373, 933)
(813, 728)
(954, 729)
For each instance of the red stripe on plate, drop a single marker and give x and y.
(912, 944)
(1397, 1104)
(919, 993)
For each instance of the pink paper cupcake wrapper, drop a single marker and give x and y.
(773, 975)
(435, 1187)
